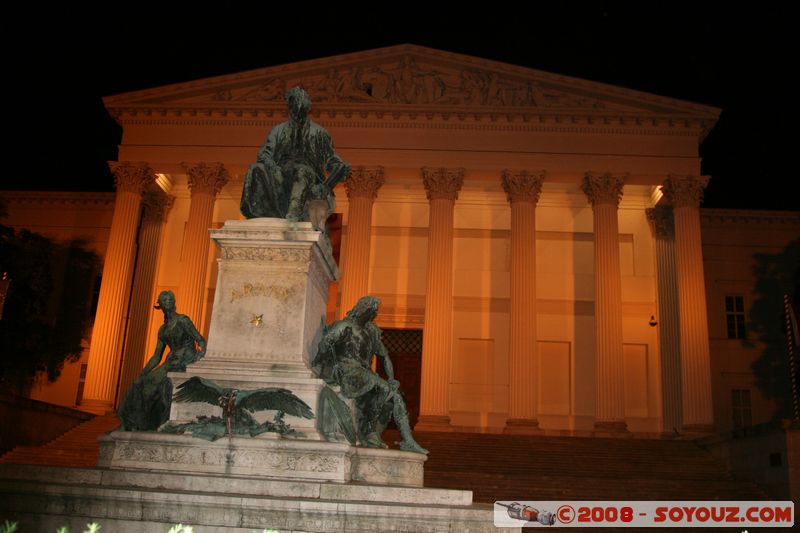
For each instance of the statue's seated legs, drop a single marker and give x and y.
(303, 179)
(263, 192)
(374, 416)
(400, 413)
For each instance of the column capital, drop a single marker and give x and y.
(522, 185)
(663, 222)
(364, 182)
(603, 188)
(132, 176)
(442, 183)
(206, 178)
(684, 190)
(156, 205)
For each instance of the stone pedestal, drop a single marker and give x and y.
(269, 310)
(271, 297)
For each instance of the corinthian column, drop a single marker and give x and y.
(523, 189)
(362, 188)
(442, 186)
(105, 351)
(685, 193)
(668, 318)
(604, 192)
(156, 206)
(205, 181)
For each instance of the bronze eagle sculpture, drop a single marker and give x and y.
(237, 406)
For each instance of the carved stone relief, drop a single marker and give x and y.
(283, 255)
(408, 81)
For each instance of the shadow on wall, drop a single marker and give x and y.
(776, 275)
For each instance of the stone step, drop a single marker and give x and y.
(508, 467)
(42, 498)
(488, 487)
(76, 447)
(542, 467)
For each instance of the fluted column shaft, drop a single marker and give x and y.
(109, 322)
(362, 188)
(668, 318)
(156, 205)
(442, 186)
(522, 189)
(604, 192)
(685, 193)
(205, 181)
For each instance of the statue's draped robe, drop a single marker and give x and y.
(148, 400)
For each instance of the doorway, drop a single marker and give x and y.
(405, 351)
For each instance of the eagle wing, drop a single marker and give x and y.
(273, 399)
(197, 389)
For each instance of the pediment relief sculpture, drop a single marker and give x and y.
(408, 81)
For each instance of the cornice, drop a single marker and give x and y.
(713, 217)
(83, 199)
(405, 118)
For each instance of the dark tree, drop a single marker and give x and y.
(47, 306)
(776, 275)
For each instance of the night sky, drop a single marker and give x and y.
(58, 69)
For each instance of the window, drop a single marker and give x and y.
(740, 408)
(734, 316)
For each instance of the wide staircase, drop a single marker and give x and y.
(502, 467)
(76, 447)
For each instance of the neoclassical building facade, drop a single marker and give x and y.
(540, 233)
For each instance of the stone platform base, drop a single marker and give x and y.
(43, 498)
(265, 456)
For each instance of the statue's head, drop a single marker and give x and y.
(299, 103)
(166, 300)
(366, 307)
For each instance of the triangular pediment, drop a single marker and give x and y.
(409, 77)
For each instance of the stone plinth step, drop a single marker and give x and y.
(124, 501)
(267, 455)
